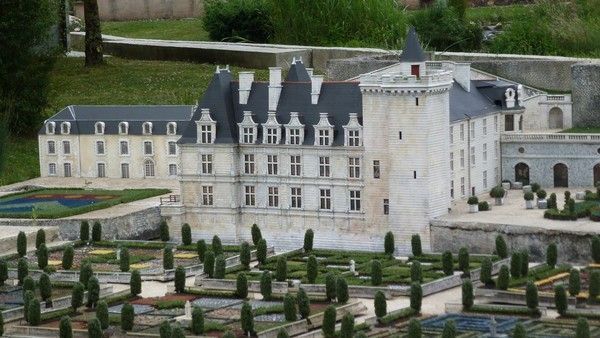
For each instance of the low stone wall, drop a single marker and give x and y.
(125, 10)
(40, 331)
(230, 285)
(354, 291)
(573, 246)
(546, 299)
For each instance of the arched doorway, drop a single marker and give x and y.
(561, 176)
(596, 175)
(555, 118)
(522, 173)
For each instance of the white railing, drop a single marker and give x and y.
(555, 97)
(550, 137)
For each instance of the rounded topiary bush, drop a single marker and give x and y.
(552, 201)
(414, 328)
(449, 329)
(594, 289)
(528, 196)
(77, 296)
(574, 282)
(261, 251)
(220, 267)
(21, 244)
(135, 282)
(389, 245)
(329, 319)
(197, 326)
(217, 246)
(473, 200)
(93, 288)
(380, 304)
(485, 276)
(416, 273)
(515, 265)
(541, 194)
(42, 256)
(416, 297)
(376, 273)
(560, 299)
(3, 272)
(415, 243)
(524, 263)
(102, 314)
(551, 255)
(85, 273)
(463, 260)
(347, 327)
(289, 307)
(309, 236)
(94, 328)
(178, 332)
(165, 330)
(124, 259)
(503, 278)
(201, 249)
(447, 263)
(531, 296)
(583, 328)
(312, 269)
(241, 285)
(281, 269)
(256, 234)
(164, 231)
(330, 292)
(247, 319)
(127, 317)
(501, 247)
(596, 249)
(303, 304)
(245, 255)
(341, 290)
(45, 287)
(67, 258)
(34, 312)
(84, 231)
(467, 294)
(65, 330)
(519, 331)
(40, 237)
(497, 192)
(27, 298)
(180, 279)
(22, 270)
(266, 290)
(28, 284)
(209, 264)
(96, 232)
(186, 234)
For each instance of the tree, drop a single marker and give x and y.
(416, 274)
(245, 256)
(178, 332)
(309, 236)
(3, 272)
(22, 269)
(186, 234)
(209, 264)
(266, 289)
(583, 328)
(560, 299)
(201, 249)
(524, 263)
(289, 307)
(93, 289)
(594, 289)
(77, 296)
(180, 279)
(28, 284)
(85, 273)
(164, 231)
(503, 278)
(247, 318)
(449, 329)
(281, 269)
(34, 312)
(312, 269)
(501, 248)
(380, 305)
(414, 328)
(165, 329)
(551, 255)
(127, 317)
(515, 265)
(467, 294)
(596, 248)
(519, 331)
(463, 260)
(220, 267)
(84, 231)
(256, 234)
(347, 329)
(330, 292)
(21, 244)
(96, 232)
(94, 326)
(552, 201)
(135, 282)
(377, 272)
(217, 247)
(329, 319)
(303, 303)
(102, 314)
(40, 237)
(27, 298)
(93, 35)
(124, 259)
(574, 283)
(67, 258)
(415, 242)
(168, 258)
(45, 287)
(341, 290)
(62, 25)
(65, 330)
(42, 256)
(416, 296)
(241, 285)
(531, 296)
(447, 263)
(486, 272)
(197, 321)
(389, 245)
(261, 251)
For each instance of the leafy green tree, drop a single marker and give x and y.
(380, 305)
(261, 251)
(486, 272)
(164, 231)
(447, 263)
(416, 296)
(312, 269)
(94, 327)
(503, 278)
(467, 294)
(22, 270)
(524, 263)
(303, 303)
(245, 256)
(341, 290)
(201, 249)
(21, 244)
(34, 312)
(217, 247)
(309, 236)
(27, 298)
(281, 269)
(596, 248)
(77, 296)
(65, 329)
(165, 329)
(93, 37)
(178, 332)
(96, 232)
(416, 273)
(3, 272)
(168, 260)
(551, 255)
(102, 314)
(85, 273)
(220, 267)
(84, 231)
(415, 242)
(124, 259)
(67, 258)
(135, 282)
(389, 244)
(414, 328)
(247, 319)
(531, 296)
(289, 307)
(594, 288)
(377, 272)
(241, 285)
(28, 284)
(519, 331)
(180, 279)
(329, 319)
(45, 287)
(449, 329)
(209, 264)
(515, 264)
(127, 317)
(256, 234)
(560, 299)
(463, 260)
(583, 328)
(501, 247)
(574, 282)
(42, 256)
(40, 237)
(266, 290)
(330, 280)
(197, 327)
(93, 289)
(347, 328)
(186, 234)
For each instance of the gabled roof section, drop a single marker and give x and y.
(412, 51)
(471, 104)
(297, 73)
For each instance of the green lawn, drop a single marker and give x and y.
(181, 29)
(494, 14)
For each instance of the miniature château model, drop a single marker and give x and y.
(387, 151)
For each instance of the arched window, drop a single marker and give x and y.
(171, 128)
(522, 173)
(147, 128)
(123, 128)
(148, 168)
(555, 118)
(99, 128)
(65, 128)
(561, 175)
(50, 127)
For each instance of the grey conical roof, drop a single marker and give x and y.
(412, 51)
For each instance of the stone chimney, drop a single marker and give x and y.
(316, 81)
(462, 75)
(274, 87)
(246, 79)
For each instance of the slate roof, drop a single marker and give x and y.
(412, 51)
(494, 90)
(471, 104)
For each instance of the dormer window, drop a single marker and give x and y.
(123, 128)
(271, 130)
(206, 128)
(353, 132)
(99, 128)
(247, 129)
(147, 128)
(294, 130)
(324, 137)
(50, 128)
(171, 128)
(323, 131)
(65, 128)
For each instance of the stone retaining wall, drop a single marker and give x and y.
(546, 299)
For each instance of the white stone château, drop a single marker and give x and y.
(388, 151)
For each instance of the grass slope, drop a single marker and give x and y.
(181, 29)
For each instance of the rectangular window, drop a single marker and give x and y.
(324, 169)
(101, 170)
(451, 189)
(296, 194)
(67, 169)
(462, 158)
(273, 197)
(124, 146)
(376, 169)
(51, 169)
(248, 135)
(148, 148)
(451, 135)
(484, 126)
(354, 200)
(272, 135)
(462, 131)
(484, 153)
(206, 163)
(472, 130)
(451, 161)
(416, 101)
(485, 182)
(249, 164)
(100, 147)
(207, 195)
(51, 147)
(354, 167)
(294, 136)
(272, 165)
(399, 135)
(124, 170)
(509, 122)
(66, 147)
(386, 206)
(323, 137)
(205, 134)
(325, 199)
(462, 186)
(472, 155)
(172, 148)
(249, 195)
(172, 169)
(295, 165)
(353, 138)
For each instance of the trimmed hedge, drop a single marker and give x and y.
(256, 234)
(289, 307)
(415, 242)
(186, 234)
(309, 236)
(501, 247)
(389, 244)
(127, 317)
